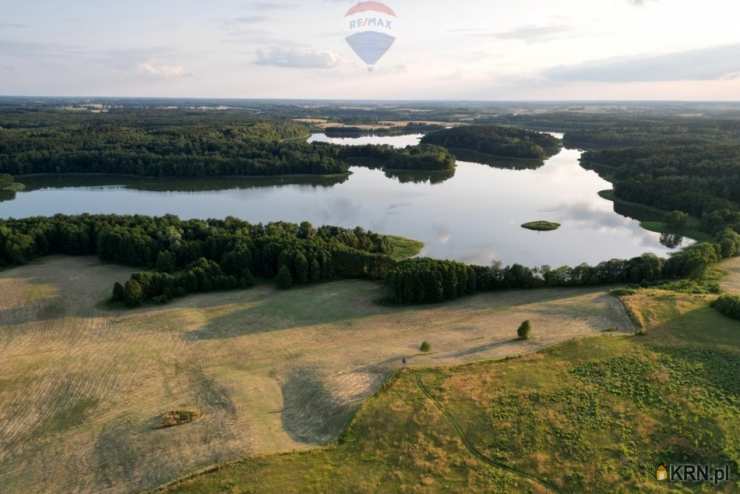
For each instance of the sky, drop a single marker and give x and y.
(464, 50)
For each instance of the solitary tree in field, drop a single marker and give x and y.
(524, 329)
(425, 347)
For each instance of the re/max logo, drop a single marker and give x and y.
(370, 22)
(699, 473)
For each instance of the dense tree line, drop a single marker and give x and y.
(181, 257)
(183, 151)
(179, 147)
(195, 256)
(423, 157)
(680, 163)
(493, 140)
(428, 281)
(703, 180)
(409, 128)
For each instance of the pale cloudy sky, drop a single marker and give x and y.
(464, 49)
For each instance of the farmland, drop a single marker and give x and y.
(84, 387)
(591, 415)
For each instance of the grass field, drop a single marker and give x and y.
(591, 415)
(84, 388)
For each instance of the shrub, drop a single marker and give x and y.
(284, 279)
(133, 293)
(175, 418)
(728, 305)
(425, 347)
(524, 329)
(622, 292)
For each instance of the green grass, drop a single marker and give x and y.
(541, 226)
(591, 415)
(404, 248)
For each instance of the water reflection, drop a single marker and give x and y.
(399, 141)
(473, 215)
(420, 177)
(190, 184)
(671, 240)
(497, 162)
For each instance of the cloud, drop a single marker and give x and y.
(714, 63)
(163, 71)
(22, 49)
(533, 34)
(272, 6)
(249, 19)
(297, 58)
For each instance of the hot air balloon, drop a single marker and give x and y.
(371, 27)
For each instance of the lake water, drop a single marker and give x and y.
(474, 216)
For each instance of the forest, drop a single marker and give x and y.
(354, 131)
(702, 180)
(424, 157)
(181, 257)
(688, 164)
(495, 141)
(179, 145)
(684, 166)
(421, 281)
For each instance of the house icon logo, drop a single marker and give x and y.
(661, 474)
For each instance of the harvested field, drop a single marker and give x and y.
(267, 371)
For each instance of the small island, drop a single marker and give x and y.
(541, 226)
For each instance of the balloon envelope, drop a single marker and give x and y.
(370, 46)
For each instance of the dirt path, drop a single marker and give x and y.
(81, 386)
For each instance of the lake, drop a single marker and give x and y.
(473, 216)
